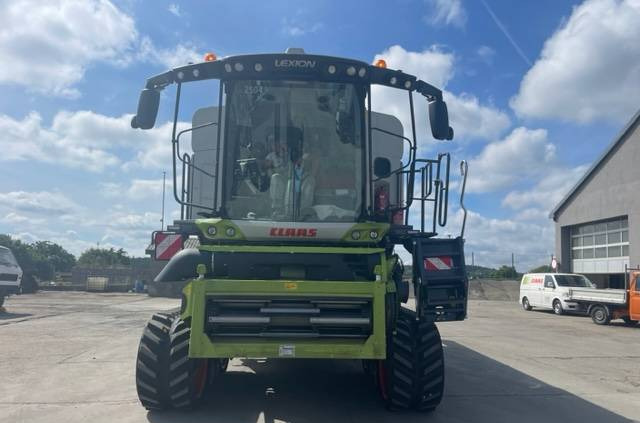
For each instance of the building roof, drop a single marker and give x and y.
(619, 139)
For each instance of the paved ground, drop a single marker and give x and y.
(69, 357)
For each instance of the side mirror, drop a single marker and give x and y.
(148, 104)
(439, 120)
(381, 167)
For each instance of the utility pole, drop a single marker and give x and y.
(513, 262)
(164, 175)
(473, 263)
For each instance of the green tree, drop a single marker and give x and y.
(505, 272)
(103, 257)
(545, 268)
(40, 259)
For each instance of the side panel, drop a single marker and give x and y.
(385, 145)
(634, 297)
(204, 143)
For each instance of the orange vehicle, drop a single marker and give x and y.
(603, 305)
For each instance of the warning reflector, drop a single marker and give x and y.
(438, 263)
(167, 245)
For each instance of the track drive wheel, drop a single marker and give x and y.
(412, 375)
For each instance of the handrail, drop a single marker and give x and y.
(464, 170)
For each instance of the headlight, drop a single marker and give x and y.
(212, 230)
(230, 232)
(355, 235)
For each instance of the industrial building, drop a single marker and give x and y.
(598, 222)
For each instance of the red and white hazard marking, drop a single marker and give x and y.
(167, 245)
(438, 263)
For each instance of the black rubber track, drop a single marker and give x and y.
(152, 363)
(412, 376)
(184, 392)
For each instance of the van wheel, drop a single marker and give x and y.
(557, 307)
(600, 315)
(526, 305)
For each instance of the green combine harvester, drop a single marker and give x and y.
(297, 195)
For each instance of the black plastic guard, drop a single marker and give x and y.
(440, 279)
(183, 265)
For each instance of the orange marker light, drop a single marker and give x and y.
(210, 57)
(380, 63)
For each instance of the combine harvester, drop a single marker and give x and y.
(298, 194)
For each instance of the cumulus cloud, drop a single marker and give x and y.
(547, 193)
(37, 203)
(446, 12)
(138, 189)
(519, 156)
(469, 118)
(589, 69)
(50, 45)
(84, 140)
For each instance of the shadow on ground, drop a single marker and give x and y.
(478, 390)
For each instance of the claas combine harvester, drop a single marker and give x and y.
(299, 196)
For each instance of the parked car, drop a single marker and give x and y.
(552, 291)
(10, 274)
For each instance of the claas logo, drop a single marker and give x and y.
(294, 232)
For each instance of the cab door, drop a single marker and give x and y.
(548, 291)
(634, 297)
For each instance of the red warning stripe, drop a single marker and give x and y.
(438, 263)
(167, 245)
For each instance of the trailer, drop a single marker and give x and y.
(603, 305)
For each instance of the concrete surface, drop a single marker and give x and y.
(69, 357)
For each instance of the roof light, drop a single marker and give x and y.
(239, 67)
(196, 73)
(180, 75)
(407, 84)
(380, 63)
(393, 80)
(331, 69)
(362, 72)
(210, 57)
(258, 67)
(227, 67)
(351, 71)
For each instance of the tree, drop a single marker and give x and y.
(40, 259)
(103, 257)
(505, 272)
(545, 268)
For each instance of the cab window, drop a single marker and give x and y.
(548, 282)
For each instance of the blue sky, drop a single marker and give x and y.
(536, 91)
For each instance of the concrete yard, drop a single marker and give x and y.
(70, 357)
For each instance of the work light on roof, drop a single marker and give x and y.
(210, 57)
(380, 63)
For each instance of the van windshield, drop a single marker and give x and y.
(574, 280)
(7, 259)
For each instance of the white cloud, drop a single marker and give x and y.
(37, 203)
(547, 193)
(589, 69)
(174, 9)
(85, 140)
(296, 27)
(468, 117)
(179, 55)
(47, 46)
(138, 189)
(50, 45)
(519, 156)
(486, 54)
(447, 12)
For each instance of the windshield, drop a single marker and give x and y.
(7, 259)
(573, 280)
(293, 151)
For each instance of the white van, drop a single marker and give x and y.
(550, 291)
(10, 274)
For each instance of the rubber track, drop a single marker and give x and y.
(152, 362)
